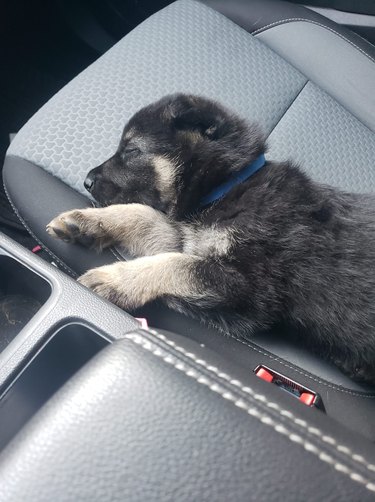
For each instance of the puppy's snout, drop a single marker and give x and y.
(89, 182)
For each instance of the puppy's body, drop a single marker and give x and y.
(277, 249)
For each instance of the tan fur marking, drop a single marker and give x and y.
(165, 170)
(193, 136)
(210, 241)
(129, 134)
(134, 283)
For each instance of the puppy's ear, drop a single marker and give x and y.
(208, 124)
(197, 114)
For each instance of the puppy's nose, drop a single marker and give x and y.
(89, 182)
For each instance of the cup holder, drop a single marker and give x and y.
(22, 294)
(64, 354)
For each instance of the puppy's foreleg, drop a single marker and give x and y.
(140, 229)
(175, 276)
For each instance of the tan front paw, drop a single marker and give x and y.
(82, 226)
(107, 282)
(64, 226)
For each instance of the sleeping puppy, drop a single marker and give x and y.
(243, 252)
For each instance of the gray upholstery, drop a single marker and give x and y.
(186, 47)
(336, 64)
(190, 47)
(256, 16)
(147, 420)
(327, 141)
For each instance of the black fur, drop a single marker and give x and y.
(304, 253)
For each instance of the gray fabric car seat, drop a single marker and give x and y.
(305, 80)
(309, 85)
(308, 82)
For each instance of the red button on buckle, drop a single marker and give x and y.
(307, 398)
(264, 375)
(286, 384)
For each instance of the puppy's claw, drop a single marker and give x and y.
(80, 226)
(60, 229)
(69, 227)
(92, 278)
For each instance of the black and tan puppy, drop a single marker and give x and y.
(275, 248)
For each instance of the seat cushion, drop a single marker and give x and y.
(191, 47)
(306, 83)
(186, 47)
(280, 76)
(273, 77)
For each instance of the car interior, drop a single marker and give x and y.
(100, 404)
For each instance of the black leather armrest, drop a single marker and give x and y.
(149, 420)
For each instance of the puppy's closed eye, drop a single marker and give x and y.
(131, 150)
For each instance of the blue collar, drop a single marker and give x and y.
(237, 178)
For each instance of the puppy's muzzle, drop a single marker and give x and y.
(89, 182)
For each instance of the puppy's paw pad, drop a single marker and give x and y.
(69, 227)
(62, 228)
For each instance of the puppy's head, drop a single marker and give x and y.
(174, 152)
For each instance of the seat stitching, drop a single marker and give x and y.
(307, 375)
(301, 19)
(260, 397)
(251, 410)
(67, 269)
(115, 254)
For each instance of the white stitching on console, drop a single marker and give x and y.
(285, 413)
(242, 404)
(299, 19)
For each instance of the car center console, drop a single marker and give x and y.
(80, 379)
(50, 327)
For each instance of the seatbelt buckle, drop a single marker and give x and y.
(295, 389)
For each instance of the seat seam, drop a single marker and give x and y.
(301, 19)
(308, 80)
(51, 253)
(65, 267)
(288, 108)
(116, 254)
(260, 397)
(252, 411)
(307, 375)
